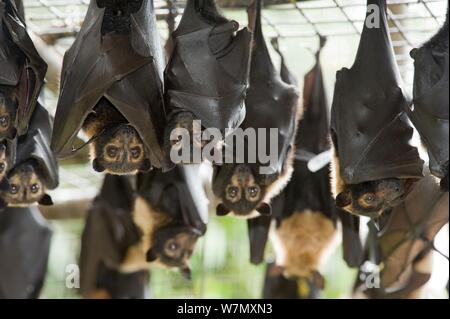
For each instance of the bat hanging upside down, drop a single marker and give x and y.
(375, 164)
(26, 186)
(370, 198)
(117, 147)
(163, 241)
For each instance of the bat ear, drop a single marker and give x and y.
(221, 210)
(46, 200)
(146, 166)
(343, 199)
(186, 272)
(265, 209)
(151, 256)
(97, 166)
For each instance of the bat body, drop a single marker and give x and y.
(23, 70)
(271, 102)
(111, 88)
(305, 220)
(405, 242)
(375, 165)
(169, 215)
(36, 169)
(24, 249)
(108, 233)
(430, 112)
(206, 77)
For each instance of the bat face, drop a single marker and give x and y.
(8, 112)
(121, 152)
(183, 121)
(26, 186)
(371, 199)
(3, 161)
(242, 191)
(173, 247)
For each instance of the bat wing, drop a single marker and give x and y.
(36, 145)
(127, 70)
(412, 228)
(351, 242)
(30, 74)
(207, 72)
(108, 232)
(369, 109)
(124, 285)
(24, 249)
(188, 205)
(431, 103)
(313, 129)
(258, 233)
(270, 102)
(276, 286)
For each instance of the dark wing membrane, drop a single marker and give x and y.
(270, 102)
(36, 145)
(431, 102)
(187, 206)
(30, 74)
(373, 134)
(127, 70)
(258, 233)
(24, 249)
(411, 228)
(207, 72)
(108, 232)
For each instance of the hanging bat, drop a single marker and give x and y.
(430, 112)
(22, 75)
(404, 243)
(111, 88)
(304, 213)
(36, 168)
(271, 103)
(206, 77)
(374, 165)
(169, 211)
(108, 232)
(24, 249)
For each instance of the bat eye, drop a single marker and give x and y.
(233, 191)
(253, 191)
(4, 121)
(173, 246)
(14, 189)
(369, 198)
(112, 151)
(136, 152)
(34, 188)
(2, 167)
